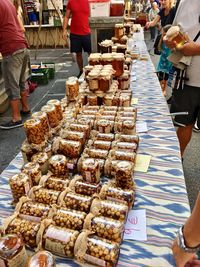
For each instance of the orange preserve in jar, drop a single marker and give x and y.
(118, 64)
(119, 30)
(42, 258)
(104, 81)
(12, 251)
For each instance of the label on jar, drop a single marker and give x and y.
(95, 260)
(93, 84)
(100, 129)
(55, 247)
(88, 176)
(30, 218)
(70, 166)
(58, 234)
(18, 260)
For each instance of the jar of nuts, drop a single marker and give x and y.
(91, 170)
(54, 182)
(111, 209)
(116, 194)
(43, 160)
(75, 201)
(34, 131)
(20, 185)
(12, 251)
(27, 229)
(43, 195)
(127, 138)
(103, 126)
(72, 88)
(95, 250)
(124, 175)
(32, 211)
(58, 107)
(42, 116)
(58, 165)
(32, 169)
(51, 114)
(58, 240)
(123, 155)
(68, 218)
(70, 148)
(41, 258)
(105, 227)
(79, 186)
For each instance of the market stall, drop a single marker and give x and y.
(161, 190)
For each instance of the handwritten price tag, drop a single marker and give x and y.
(135, 228)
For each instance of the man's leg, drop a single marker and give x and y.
(184, 135)
(15, 110)
(79, 59)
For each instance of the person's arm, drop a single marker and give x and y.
(153, 22)
(65, 24)
(190, 49)
(191, 234)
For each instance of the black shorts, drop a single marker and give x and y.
(186, 100)
(162, 76)
(79, 43)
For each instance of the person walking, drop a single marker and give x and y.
(153, 12)
(80, 36)
(188, 98)
(15, 53)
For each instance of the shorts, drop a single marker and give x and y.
(14, 69)
(79, 43)
(186, 100)
(162, 76)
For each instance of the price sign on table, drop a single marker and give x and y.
(135, 227)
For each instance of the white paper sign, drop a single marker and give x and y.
(141, 127)
(135, 228)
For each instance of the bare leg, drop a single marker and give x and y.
(24, 101)
(79, 59)
(15, 110)
(163, 85)
(184, 135)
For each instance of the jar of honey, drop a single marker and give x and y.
(118, 64)
(119, 30)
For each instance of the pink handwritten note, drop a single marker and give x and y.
(135, 227)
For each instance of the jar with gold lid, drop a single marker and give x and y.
(119, 30)
(118, 64)
(42, 258)
(51, 114)
(34, 131)
(12, 251)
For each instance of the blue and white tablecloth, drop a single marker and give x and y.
(161, 191)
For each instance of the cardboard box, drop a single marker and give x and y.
(99, 8)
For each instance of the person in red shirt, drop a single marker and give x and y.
(13, 47)
(80, 37)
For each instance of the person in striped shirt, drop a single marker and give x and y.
(30, 11)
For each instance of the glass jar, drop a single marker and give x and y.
(174, 34)
(123, 82)
(127, 27)
(96, 250)
(106, 46)
(57, 104)
(124, 175)
(51, 114)
(85, 188)
(32, 169)
(54, 183)
(12, 251)
(104, 81)
(119, 30)
(87, 69)
(20, 185)
(43, 195)
(42, 116)
(129, 127)
(93, 80)
(34, 131)
(27, 151)
(92, 100)
(108, 99)
(43, 160)
(91, 171)
(70, 148)
(103, 126)
(41, 259)
(118, 64)
(125, 100)
(58, 165)
(107, 59)
(121, 48)
(72, 88)
(94, 59)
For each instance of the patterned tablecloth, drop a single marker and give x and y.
(161, 191)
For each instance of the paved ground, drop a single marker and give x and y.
(10, 141)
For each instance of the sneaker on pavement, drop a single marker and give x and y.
(196, 129)
(25, 113)
(11, 125)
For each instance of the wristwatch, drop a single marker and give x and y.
(182, 245)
